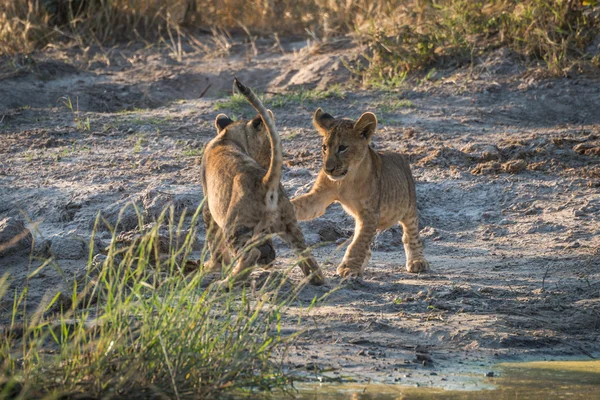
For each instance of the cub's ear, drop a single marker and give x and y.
(222, 121)
(256, 122)
(366, 124)
(322, 121)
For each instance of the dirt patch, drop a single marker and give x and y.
(507, 180)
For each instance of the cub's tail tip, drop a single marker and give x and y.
(241, 87)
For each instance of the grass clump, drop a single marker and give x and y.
(238, 105)
(136, 324)
(391, 105)
(420, 34)
(304, 96)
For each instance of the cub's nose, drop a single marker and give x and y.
(329, 166)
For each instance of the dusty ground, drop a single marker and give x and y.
(506, 164)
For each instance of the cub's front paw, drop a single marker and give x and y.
(345, 271)
(416, 266)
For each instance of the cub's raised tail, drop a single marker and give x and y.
(273, 176)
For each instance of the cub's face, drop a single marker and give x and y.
(251, 135)
(345, 142)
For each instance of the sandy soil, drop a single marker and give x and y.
(506, 164)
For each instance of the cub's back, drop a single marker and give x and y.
(230, 176)
(398, 187)
(223, 160)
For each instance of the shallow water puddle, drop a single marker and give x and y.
(530, 380)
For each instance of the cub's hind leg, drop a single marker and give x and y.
(291, 233)
(413, 246)
(216, 242)
(245, 250)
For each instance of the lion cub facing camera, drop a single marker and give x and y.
(377, 189)
(241, 172)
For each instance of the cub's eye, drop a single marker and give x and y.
(342, 149)
(324, 147)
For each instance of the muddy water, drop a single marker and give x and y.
(531, 380)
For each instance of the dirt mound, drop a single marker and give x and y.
(125, 214)
(139, 79)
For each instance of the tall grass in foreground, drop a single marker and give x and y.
(138, 325)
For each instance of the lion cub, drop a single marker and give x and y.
(377, 189)
(241, 171)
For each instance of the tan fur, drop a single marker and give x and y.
(244, 200)
(377, 189)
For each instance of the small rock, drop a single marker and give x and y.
(41, 248)
(429, 232)
(120, 215)
(330, 233)
(486, 168)
(424, 358)
(581, 148)
(67, 247)
(14, 237)
(481, 152)
(514, 166)
(409, 133)
(155, 201)
(98, 261)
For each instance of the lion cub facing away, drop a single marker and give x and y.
(377, 189)
(241, 171)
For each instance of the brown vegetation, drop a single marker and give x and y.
(399, 36)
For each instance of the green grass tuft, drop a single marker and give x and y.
(139, 324)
